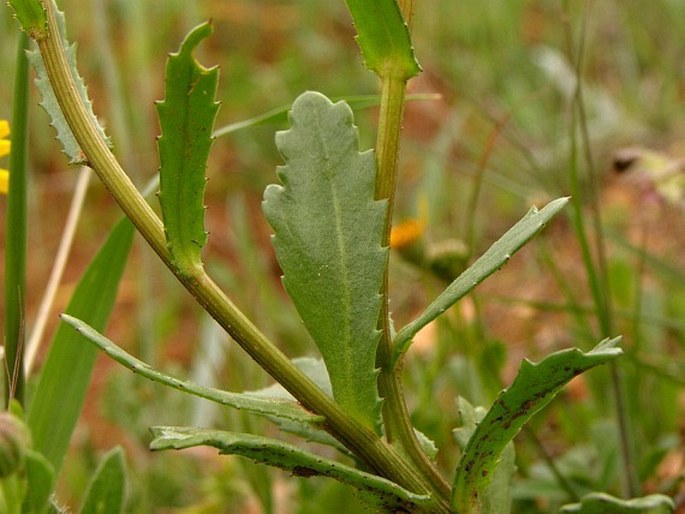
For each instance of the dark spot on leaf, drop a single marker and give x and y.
(303, 471)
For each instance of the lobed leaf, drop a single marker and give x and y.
(534, 387)
(384, 38)
(64, 378)
(107, 487)
(327, 238)
(186, 117)
(378, 490)
(265, 405)
(492, 260)
(602, 503)
(49, 102)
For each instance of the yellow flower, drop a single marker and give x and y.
(4, 150)
(406, 233)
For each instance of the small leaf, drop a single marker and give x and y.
(328, 232)
(106, 489)
(49, 103)
(601, 503)
(32, 17)
(64, 378)
(492, 260)
(534, 387)
(378, 490)
(269, 406)
(384, 38)
(186, 116)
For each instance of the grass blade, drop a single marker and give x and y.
(279, 115)
(106, 489)
(64, 379)
(17, 228)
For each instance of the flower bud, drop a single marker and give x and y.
(14, 440)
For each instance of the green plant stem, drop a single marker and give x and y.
(363, 442)
(398, 427)
(17, 226)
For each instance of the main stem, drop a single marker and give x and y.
(398, 428)
(380, 457)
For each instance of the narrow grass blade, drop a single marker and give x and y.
(383, 37)
(602, 503)
(328, 232)
(533, 388)
(265, 405)
(61, 389)
(49, 103)
(107, 488)
(380, 491)
(17, 230)
(186, 116)
(492, 260)
(280, 114)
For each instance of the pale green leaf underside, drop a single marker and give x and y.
(268, 406)
(291, 458)
(534, 387)
(601, 503)
(328, 232)
(493, 259)
(384, 38)
(49, 100)
(186, 118)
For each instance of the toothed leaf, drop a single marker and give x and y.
(377, 490)
(31, 16)
(187, 118)
(49, 102)
(328, 232)
(533, 388)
